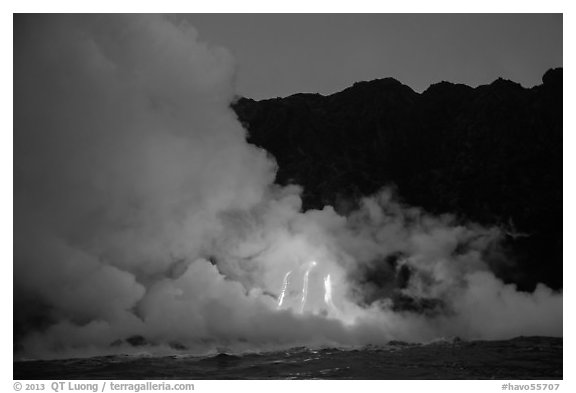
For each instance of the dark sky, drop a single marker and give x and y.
(283, 54)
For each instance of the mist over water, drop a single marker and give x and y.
(140, 210)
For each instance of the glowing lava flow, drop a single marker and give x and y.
(305, 286)
(284, 286)
(286, 299)
(328, 291)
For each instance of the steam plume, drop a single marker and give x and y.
(141, 210)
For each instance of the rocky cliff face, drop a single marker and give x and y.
(491, 154)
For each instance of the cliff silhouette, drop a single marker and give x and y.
(490, 154)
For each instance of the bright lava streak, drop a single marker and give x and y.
(284, 286)
(305, 286)
(327, 290)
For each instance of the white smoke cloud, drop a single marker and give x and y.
(141, 210)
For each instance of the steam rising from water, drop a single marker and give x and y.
(141, 210)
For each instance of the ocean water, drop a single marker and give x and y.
(518, 358)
